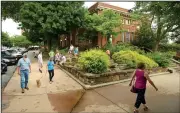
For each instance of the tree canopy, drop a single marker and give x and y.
(5, 39)
(163, 17)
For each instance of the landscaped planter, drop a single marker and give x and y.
(94, 79)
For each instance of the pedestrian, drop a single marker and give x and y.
(76, 51)
(63, 59)
(57, 57)
(71, 49)
(108, 53)
(50, 66)
(24, 68)
(141, 76)
(52, 55)
(40, 61)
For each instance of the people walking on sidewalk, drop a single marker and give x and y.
(140, 85)
(40, 61)
(50, 66)
(24, 68)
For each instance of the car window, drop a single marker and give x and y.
(7, 53)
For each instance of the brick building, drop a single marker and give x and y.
(129, 25)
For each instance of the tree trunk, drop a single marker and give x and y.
(70, 37)
(49, 43)
(156, 46)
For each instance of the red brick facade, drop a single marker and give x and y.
(129, 25)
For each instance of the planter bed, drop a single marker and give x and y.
(94, 79)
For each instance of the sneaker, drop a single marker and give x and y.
(23, 90)
(27, 88)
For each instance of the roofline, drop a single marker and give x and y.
(100, 4)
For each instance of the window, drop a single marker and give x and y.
(126, 22)
(122, 37)
(127, 37)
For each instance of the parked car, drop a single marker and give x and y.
(22, 50)
(15, 53)
(7, 61)
(6, 55)
(3, 67)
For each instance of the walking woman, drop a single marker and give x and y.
(141, 76)
(50, 66)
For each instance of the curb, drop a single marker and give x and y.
(88, 87)
(2, 88)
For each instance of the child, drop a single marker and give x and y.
(76, 51)
(50, 66)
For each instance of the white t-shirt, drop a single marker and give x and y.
(40, 58)
(71, 48)
(64, 59)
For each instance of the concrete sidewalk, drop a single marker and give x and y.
(60, 96)
(118, 98)
(64, 93)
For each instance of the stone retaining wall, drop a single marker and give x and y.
(94, 79)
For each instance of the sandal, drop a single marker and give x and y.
(146, 108)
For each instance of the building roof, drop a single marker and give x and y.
(108, 6)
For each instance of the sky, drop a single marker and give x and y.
(10, 26)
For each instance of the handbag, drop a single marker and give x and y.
(133, 89)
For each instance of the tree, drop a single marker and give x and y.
(144, 35)
(5, 40)
(20, 41)
(107, 23)
(161, 14)
(51, 18)
(10, 9)
(176, 36)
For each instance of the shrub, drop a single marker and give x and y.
(169, 47)
(131, 58)
(162, 58)
(94, 61)
(121, 47)
(63, 51)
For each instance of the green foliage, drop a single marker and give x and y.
(164, 15)
(107, 23)
(10, 9)
(163, 59)
(44, 21)
(64, 51)
(5, 40)
(132, 58)
(94, 61)
(122, 47)
(169, 47)
(20, 41)
(145, 35)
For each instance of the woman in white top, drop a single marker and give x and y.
(40, 61)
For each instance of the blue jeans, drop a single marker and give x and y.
(24, 78)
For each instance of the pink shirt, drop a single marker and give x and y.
(140, 82)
